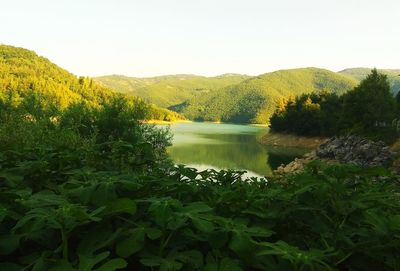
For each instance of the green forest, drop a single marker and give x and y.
(229, 98)
(254, 100)
(85, 185)
(166, 91)
(370, 109)
(239, 98)
(25, 74)
(361, 73)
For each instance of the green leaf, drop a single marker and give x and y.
(193, 258)
(218, 239)
(12, 179)
(123, 205)
(196, 207)
(228, 264)
(191, 173)
(8, 244)
(153, 233)
(132, 244)
(101, 236)
(163, 213)
(378, 220)
(168, 264)
(394, 222)
(87, 262)
(104, 194)
(152, 261)
(259, 232)
(202, 224)
(241, 243)
(6, 266)
(113, 264)
(62, 266)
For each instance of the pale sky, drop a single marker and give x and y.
(205, 37)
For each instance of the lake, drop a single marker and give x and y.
(227, 146)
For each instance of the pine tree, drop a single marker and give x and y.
(371, 104)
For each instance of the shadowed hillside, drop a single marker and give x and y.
(254, 100)
(230, 97)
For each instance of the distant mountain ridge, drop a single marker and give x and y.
(229, 97)
(169, 90)
(236, 97)
(254, 100)
(360, 73)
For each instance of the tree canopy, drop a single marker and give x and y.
(368, 109)
(25, 74)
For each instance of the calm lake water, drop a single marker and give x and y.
(227, 146)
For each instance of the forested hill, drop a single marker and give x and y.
(392, 74)
(254, 100)
(170, 90)
(23, 72)
(229, 97)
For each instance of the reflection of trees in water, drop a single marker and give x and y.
(253, 157)
(279, 155)
(226, 146)
(233, 156)
(231, 138)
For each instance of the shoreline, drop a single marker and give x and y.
(287, 140)
(268, 139)
(192, 121)
(166, 122)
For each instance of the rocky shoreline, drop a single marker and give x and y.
(288, 140)
(345, 149)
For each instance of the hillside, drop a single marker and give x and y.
(170, 90)
(360, 73)
(254, 100)
(22, 72)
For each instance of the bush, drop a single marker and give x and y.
(114, 203)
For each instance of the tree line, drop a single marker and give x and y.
(370, 109)
(87, 186)
(91, 188)
(24, 74)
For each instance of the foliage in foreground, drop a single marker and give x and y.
(104, 199)
(87, 187)
(188, 220)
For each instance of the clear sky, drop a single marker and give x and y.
(206, 37)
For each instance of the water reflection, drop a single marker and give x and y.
(227, 146)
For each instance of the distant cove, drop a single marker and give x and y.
(227, 146)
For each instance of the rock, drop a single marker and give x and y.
(345, 149)
(355, 150)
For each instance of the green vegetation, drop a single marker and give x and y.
(315, 114)
(254, 100)
(22, 72)
(93, 191)
(85, 185)
(368, 110)
(393, 76)
(230, 98)
(169, 90)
